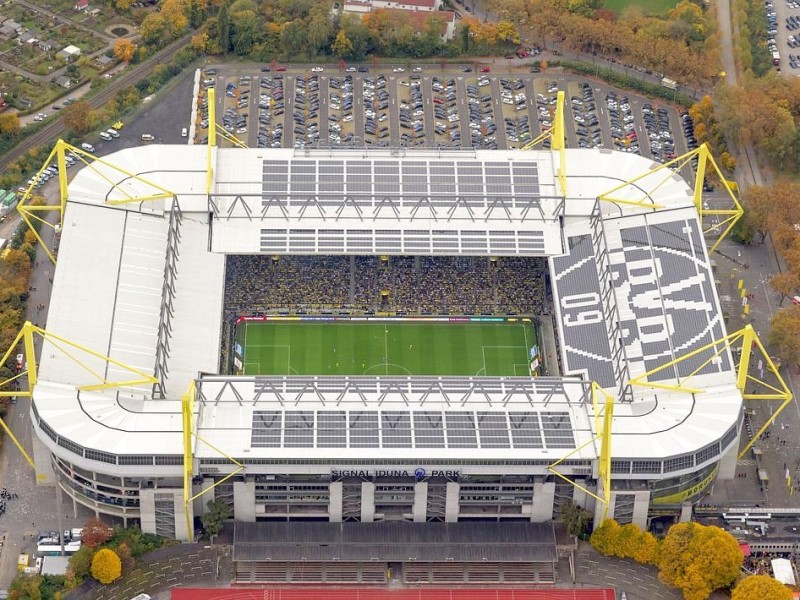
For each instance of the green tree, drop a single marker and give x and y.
(80, 564)
(294, 38)
(761, 587)
(575, 518)
(215, 516)
(224, 28)
(26, 587)
(342, 46)
(244, 29)
(106, 566)
(699, 559)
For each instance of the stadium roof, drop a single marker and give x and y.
(146, 287)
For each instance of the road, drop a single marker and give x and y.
(50, 132)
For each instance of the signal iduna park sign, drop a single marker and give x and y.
(418, 473)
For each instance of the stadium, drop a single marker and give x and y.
(371, 355)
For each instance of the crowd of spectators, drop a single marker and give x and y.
(402, 284)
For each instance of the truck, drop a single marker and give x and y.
(776, 59)
(669, 83)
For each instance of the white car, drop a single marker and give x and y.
(350, 69)
(398, 70)
(417, 69)
(317, 70)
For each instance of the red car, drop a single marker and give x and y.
(280, 68)
(485, 69)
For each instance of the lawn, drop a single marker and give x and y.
(650, 7)
(385, 348)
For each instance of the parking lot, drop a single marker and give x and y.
(783, 33)
(433, 108)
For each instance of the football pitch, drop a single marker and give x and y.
(385, 348)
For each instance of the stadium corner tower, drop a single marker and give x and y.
(141, 278)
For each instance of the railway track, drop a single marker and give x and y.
(53, 130)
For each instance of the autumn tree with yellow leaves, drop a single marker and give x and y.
(698, 559)
(106, 566)
(761, 587)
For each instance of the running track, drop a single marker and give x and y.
(335, 593)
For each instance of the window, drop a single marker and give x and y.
(679, 463)
(647, 466)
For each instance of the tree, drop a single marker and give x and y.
(216, 515)
(784, 334)
(244, 29)
(785, 283)
(604, 538)
(26, 587)
(9, 124)
(124, 49)
(80, 564)
(761, 587)
(95, 533)
(78, 117)
(153, 28)
(342, 46)
(224, 28)
(699, 559)
(106, 566)
(575, 518)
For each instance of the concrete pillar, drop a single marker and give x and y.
(45, 475)
(244, 501)
(641, 506)
(147, 510)
(181, 526)
(544, 495)
(201, 503)
(727, 464)
(335, 503)
(686, 512)
(420, 501)
(451, 505)
(600, 508)
(367, 502)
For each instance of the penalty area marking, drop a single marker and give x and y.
(483, 352)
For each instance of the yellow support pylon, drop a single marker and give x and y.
(212, 137)
(30, 369)
(187, 408)
(749, 341)
(557, 142)
(704, 157)
(31, 212)
(603, 418)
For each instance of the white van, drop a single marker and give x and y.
(87, 147)
(146, 137)
(104, 136)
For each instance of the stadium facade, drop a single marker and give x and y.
(143, 283)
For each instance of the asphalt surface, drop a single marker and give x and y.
(398, 91)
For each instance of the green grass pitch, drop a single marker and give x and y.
(385, 348)
(650, 7)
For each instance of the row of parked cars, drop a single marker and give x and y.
(622, 123)
(306, 112)
(376, 106)
(270, 106)
(584, 112)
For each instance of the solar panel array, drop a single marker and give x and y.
(477, 183)
(523, 242)
(411, 429)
